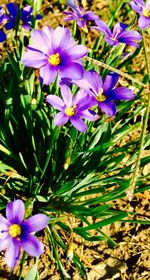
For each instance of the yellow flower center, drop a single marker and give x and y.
(15, 230)
(54, 59)
(146, 12)
(100, 97)
(70, 111)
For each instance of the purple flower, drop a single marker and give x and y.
(79, 15)
(72, 4)
(2, 15)
(119, 34)
(2, 33)
(143, 10)
(25, 16)
(16, 233)
(2, 36)
(72, 108)
(55, 52)
(104, 93)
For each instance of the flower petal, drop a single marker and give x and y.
(48, 74)
(3, 244)
(15, 211)
(83, 101)
(89, 115)
(12, 9)
(49, 33)
(129, 38)
(90, 16)
(40, 41)
(35, 223)
(143, 22)
(94, 80)
(83, 83)
(129, 42)
(70, 16)
(60, 119)
(77, 51)
(4, 226)
(34, 59)
(55, 101)
(26, 26)
(110, 81)
(121, 93)
(4, 220)
(72, 4)
(111, 41)
(135, 7)
(102, 27)
(133, 35)
(32, 245)
(140, 2)
(10, 24)
(2, 36)
(73, 71)
(118, 27)
(147, 4)
(108, 107)
(12, 253)
(67, 96)
(78, 124)
(60, 37)
(80, 97)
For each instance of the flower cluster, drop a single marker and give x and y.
(16, 232)
(80, 95)
(49, 52)
(120, 34)
(10, 16)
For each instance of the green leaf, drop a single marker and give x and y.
(32, 273)
(102, 223)
(4, 167)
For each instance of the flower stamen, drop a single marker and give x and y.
(14, 230)
(100, 97)
(115, 37)
(54, 59)
(70, 111)
(146, 12)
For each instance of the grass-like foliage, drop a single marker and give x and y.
(56, 163)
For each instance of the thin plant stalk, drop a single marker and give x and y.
(106, 66)
(144, 126)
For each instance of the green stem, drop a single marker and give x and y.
(21, 265)
(144, 125)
